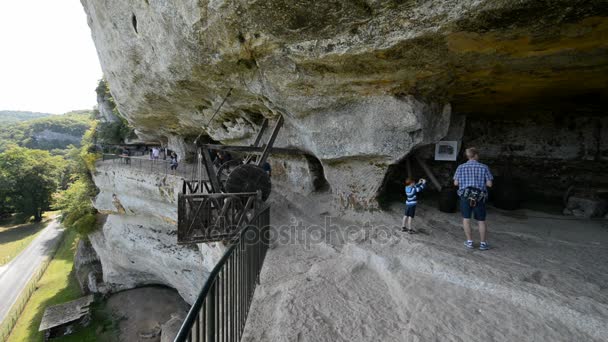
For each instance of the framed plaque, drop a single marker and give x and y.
(446, 150)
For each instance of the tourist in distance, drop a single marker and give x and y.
(173, 162)
(267, 168)
(155, 153)
(125, 154)
(221, 157)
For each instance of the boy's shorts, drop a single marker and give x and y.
(410, 210)
(466, 210)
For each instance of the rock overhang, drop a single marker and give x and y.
(335, 67)
(169, 73)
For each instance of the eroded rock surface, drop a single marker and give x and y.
(359, 83)
(137, 244)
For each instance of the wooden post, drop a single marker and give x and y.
(258, 138)
(275, 132)
(428, 172)
(208, 163)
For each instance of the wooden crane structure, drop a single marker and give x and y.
(223, 199)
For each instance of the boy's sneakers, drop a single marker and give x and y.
(468, 244)
(483, 246)
(411, 231)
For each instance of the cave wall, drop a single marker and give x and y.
(137, 242)
(546, 152)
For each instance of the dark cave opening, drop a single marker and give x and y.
(538, 159)
(319, 182)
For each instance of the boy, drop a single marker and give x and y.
(411, 191)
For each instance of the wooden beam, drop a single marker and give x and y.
(254, 149)
(208, 164)
(201, 197)
(273, 137)
(258, 138)
(428, 172)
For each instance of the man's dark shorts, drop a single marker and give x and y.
(410, 210)
(479, 210)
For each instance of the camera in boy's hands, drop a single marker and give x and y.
(422, 181)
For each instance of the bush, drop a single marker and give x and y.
(85, 224)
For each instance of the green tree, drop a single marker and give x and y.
(28, 179)
(6, 186)
(75, 201)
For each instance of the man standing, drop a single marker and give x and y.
(472, 179)
(155, 153)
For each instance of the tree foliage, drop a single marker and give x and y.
(75, 201)
(28, 179)
(12, 116)
(31, 133)
(75, 204)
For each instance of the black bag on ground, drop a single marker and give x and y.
(448, 199)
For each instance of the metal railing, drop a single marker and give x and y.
(158, 166)
(221, 309)
(196, 187)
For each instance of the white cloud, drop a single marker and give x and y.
(48, 62)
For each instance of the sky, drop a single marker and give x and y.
(48, 62)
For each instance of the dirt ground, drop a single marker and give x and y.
(545, 278)
(143, 310)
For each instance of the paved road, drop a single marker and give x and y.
(16, 274)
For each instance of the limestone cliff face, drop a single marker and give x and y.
(360, 83)
(105, 103)
(137, 243)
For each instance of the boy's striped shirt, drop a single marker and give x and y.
(411, 192)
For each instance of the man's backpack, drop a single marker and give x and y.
(474, 195)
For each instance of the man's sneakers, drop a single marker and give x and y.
(483, 246)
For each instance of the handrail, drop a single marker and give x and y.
(158, 166)
(220, 311)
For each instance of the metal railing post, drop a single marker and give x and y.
(211, 314)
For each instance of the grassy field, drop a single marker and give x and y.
(15, 237)
(59, 285)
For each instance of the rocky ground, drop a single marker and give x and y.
(544, 280)
(148, 313)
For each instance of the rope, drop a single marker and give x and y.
(200, 171)
(214, 114)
